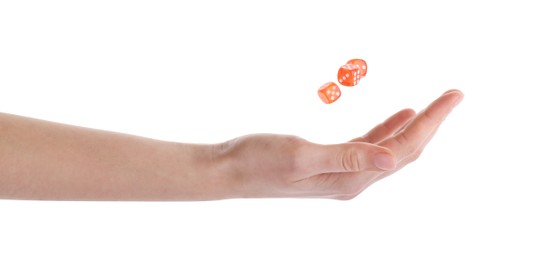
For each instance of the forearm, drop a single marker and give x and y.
(45, 160)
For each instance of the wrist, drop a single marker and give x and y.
(201, 172)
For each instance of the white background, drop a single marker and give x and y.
(213, 70)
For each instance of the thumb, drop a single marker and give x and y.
(348, 157)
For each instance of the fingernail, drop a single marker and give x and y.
(385, 161)
(458, 99)
(448, 91)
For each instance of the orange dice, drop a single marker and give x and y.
(329, 92)
(349, 75)
(361, 64)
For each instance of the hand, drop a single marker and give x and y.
(267, 165)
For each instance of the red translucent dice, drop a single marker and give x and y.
(349, 75)
(361, 64)
(329, 92)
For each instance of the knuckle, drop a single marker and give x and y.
(349, 160)
(402, 139)
(410, 147)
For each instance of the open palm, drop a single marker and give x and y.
(288, 166)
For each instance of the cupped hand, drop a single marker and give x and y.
(268, 165)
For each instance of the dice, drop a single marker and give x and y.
(329, 92)
(349, 75)
(361, 64)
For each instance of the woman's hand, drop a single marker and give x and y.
(267, 165)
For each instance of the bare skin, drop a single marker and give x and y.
(49, 161)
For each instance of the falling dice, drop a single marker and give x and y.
(349, 75)
(329, 92)
(361, 64)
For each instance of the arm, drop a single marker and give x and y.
(44, 160)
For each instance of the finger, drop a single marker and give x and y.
(408, 123)
(402, 162)
(387, 128)
(313, 159)
(346, 186)
(417, 132)
(368, 180)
